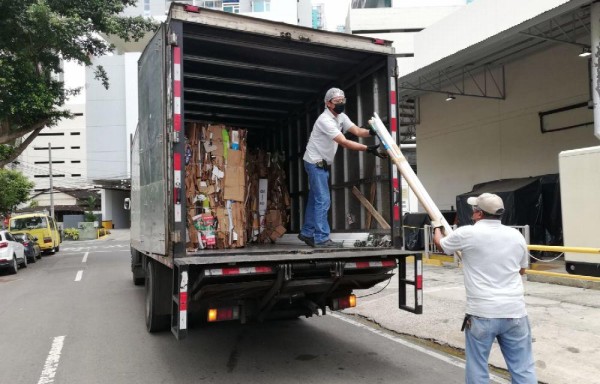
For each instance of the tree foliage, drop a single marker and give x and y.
(35, 35)
(15, 189)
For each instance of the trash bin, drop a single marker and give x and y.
(107, 224)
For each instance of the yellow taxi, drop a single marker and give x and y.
(39, 225)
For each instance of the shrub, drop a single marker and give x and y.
(72, 233)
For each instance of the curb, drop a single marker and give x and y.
(578, 281)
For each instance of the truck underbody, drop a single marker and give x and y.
(260, 283)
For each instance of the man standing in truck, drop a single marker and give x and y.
(494, 258)
(327, 133)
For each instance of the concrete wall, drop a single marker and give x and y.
(71, 221)
(287, 11)
(473, 140)
(107, 140)
(131, 102)
(112, 207)
(68, 156)
(305, 13)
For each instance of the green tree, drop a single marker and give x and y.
(91, 205)
(15, 189)
(35, 35)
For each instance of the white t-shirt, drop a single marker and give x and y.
(492, 256)
(321, 145)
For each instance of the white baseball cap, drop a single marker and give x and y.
(488, 202)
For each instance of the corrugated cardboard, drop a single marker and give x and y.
(235, 158)
(235, 182)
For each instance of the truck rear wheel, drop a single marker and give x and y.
(157, 297)
(139, 277)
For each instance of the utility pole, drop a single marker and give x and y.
(51, 188)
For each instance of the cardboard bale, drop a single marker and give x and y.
(235, 183)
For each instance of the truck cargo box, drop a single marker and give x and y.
(210, 67)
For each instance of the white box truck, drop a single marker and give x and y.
(205, 66)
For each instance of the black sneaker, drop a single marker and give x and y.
(308, 240)
(328, 244)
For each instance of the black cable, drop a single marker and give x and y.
(374, 293)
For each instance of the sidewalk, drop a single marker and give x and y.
(565, 322)
(117, 235)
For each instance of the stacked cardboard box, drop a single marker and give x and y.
(215, 181)
(268, 200)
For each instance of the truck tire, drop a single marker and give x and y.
(137, 272)
(138, 280)
(157, 297)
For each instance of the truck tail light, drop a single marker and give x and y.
(3, 244)
(47, 239)
(343, 302)
(223, 314)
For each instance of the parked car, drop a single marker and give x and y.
(39, 225)
(32, 249)
(12, 253)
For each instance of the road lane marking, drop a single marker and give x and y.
(85, 257)
(51, 364)
(115, 251)
(448, 359)
(79, 275)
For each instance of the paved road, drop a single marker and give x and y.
(76, 317)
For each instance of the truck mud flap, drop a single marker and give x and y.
(179, 303)
(416, 282)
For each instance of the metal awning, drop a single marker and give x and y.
(478, 70)
(117, 184)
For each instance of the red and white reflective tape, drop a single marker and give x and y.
(237, 271)
(394, 131)
(370, 264)
(177, 129)
(183, 300)
(419, 282)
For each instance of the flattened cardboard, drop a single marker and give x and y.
(235, 158)
(235, 182)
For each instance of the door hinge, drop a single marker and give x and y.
(174, 137)
(173, 38)
(176, 236)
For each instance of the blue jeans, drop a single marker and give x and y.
(514, 338)
(317, 206)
